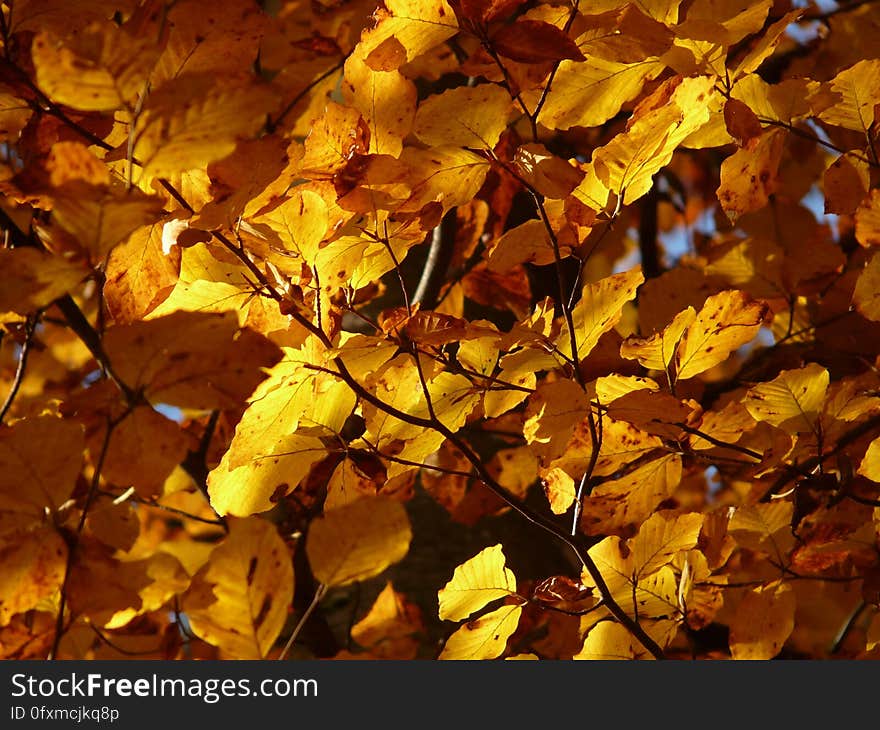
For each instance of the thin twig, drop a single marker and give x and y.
(29, 329)
(319, 594)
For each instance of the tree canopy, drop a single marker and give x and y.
(457, 329)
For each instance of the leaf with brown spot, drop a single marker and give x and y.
(239, 600)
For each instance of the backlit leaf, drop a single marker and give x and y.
(191, 360)
(239, 601)
(465, 116)
(475, 583)
(30, 279)
(484, 637)
(764, 619)
(858, 90)
(358, 541)
(792, 401)
(726, 321)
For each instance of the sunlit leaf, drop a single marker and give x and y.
(475, 583)
(484, 637)
(358, 541)
(792, 400)
(239, 601)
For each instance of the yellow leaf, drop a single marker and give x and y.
(193, 120)
(627, 164)
(870, 466)
(389, 628)
(239, 601)
(763, 620)
(475, 583)
(385, 99)
(31, 279)
(139, 275)
(264, 476)
(588, 93)
(656, 352)
(33, 569)
(766, 44)
(301, 223)
(358, 541)
(525, 243)
(726, 321)
(615, 506)
(466, 116)
(451, 176)
(792, 401)
(99, 217)
(866, 296)
(190, 360)
(102, 68)
(404, 30)
(168, 579)
(610, 640)
(764, 527)
(748, 176)
(868, 220)
(661, 537)
(858, 89)
(485, 637)
(44, 453)
(600, 309)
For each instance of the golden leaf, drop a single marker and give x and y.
(726, 321)
(792, 401)
(190, 360)
(239, 600)
(33, 569)
(99, 217)
(588, 93)
(404, 30)
(858, 90)
(103, 68)
(385, 99)
(870, 466)
(31, 279)
(466, 116)
(485, 637)
(357, 541)
(627, 164)
(192, 120)
(390, 627)
(475, 583)
(44, 453)
(748, 176)
(656, 352)
(764, 619)
(600, 309)
(609, 640)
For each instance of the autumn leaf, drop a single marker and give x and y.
(748, 177)
(726, 321)
(240, 599)
(484, 637)
(475, 583)
(30, 279)
(466, 116)
(170, 137)
(763, 621)
(357, 541)
(535, 41)
(190, 360)
(103, 68)
(792, 400)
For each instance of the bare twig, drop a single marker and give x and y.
(29, 329)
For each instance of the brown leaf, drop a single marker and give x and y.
(535, 41)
